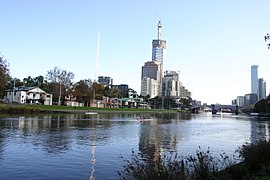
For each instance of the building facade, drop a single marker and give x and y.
(149, 87)
(250, 99)
(172, 86)
(261, 89)
(185, 92)
(240, 101)
(151, 79)
(106, 81)
(152, 69)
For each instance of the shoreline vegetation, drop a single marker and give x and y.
(250, 161)
(36, 109)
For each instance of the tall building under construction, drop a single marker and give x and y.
(152, 71)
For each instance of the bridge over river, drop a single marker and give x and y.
(219, 108)
(224, 108)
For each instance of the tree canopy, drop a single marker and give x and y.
(61, 79)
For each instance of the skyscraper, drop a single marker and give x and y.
(261, 89)
(254, 79)
(159, 48)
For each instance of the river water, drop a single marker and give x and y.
(78, 146)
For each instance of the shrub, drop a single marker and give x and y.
(141, 167)
(171, 166)
(256, 156)
(202, 166)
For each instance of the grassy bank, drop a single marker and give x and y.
(26, 109)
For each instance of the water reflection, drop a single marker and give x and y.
(97, 140)
(260, 130)
(155, 138)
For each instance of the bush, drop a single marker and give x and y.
(171, 166)
(256, 156)
(141, 167)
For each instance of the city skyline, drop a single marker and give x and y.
(212, 49)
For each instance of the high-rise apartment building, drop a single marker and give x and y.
(261, 89)
(250, 99)
(105, 80)
(240, 101)
(152, 70)
(151, 79)
(149, 87)
(254, 79)
(172, 86)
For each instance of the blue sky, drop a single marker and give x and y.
(212, 43)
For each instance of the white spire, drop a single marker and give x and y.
(97, 60)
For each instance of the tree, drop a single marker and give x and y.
(115, 92)
(97, 90)
(38, 81)
(186, 102)
(82, 91)
(155, 102)
(61, 79)
(132, 93)
(4, 75)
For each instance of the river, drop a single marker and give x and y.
(78, 146)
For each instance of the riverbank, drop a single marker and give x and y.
(34, 109)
